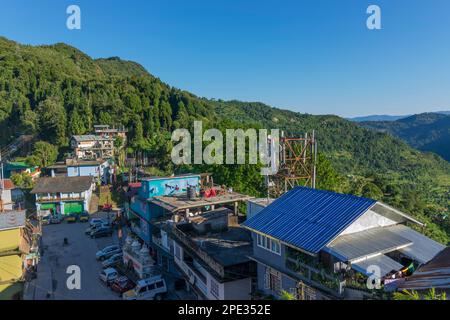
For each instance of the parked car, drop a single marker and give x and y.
(72, 218)
(101, 232)
(84, 216)
(89, 230)
(95, 221)
(122, 284)
(147, 289)
(112, 261)
(107, 252)
(109, 275)
(55, 220)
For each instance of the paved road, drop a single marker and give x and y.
(57, 258)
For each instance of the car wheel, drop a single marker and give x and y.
(158, 297)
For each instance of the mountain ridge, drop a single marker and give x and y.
(56, 91)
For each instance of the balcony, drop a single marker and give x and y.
(59, 198)
(311, 269)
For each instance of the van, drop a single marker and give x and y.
(153, 288)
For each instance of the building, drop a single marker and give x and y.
(318, 244)
(99, 145)
(256, 205)
(100, 170)
(435, 274)
(91, 147)
(17, 253)
(11, 197)
(107, 131)
(21, 167)
(142, 211)
(184, 221)
(63, 195)
(211, 252)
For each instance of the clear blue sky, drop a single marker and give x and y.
(314, 56)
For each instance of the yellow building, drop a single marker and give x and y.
(11, 251)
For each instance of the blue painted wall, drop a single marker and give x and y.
(167, 186)
(158, 187)
(84, 171)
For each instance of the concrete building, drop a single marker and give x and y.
(101, 170)
(11, 197)
(16, 253)
(211, 252)
(317, 244)
(91, 147)
(63, 195)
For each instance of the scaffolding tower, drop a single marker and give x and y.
(297, 165)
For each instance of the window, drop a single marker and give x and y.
(266, 243)
(159, 284)
(214, 289)
(151, 287)
(143, 289)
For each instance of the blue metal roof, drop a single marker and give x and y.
(309, 219)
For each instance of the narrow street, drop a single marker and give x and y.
(57, 257)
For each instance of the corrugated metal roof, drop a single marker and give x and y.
(385, 264)
(423, 248)
(366, 243)
(308, 219)
(434, 274)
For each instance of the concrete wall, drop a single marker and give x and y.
(238, 290)
(272, 258)
(253, 209)
(7, 200)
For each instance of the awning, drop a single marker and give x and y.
(366, 244)
(423, 248)
(381, 261)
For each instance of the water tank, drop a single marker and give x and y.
(191, 193)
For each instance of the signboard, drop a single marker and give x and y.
(12, 219)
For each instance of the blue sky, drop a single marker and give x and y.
(314, 56)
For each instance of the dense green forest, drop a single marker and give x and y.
(53, 92)
(426, 131)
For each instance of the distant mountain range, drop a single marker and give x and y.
(55, 91)
(425, 131)
(386, 117)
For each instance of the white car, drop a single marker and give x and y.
(107, 252)
(113, 260)
(153, 288)
(109, 275)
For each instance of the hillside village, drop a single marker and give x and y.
(141, 236)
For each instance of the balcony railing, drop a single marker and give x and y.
(201, 254)
(318, 276)
(59, 199)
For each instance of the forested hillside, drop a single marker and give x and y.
(53, 92)
(426, 131)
